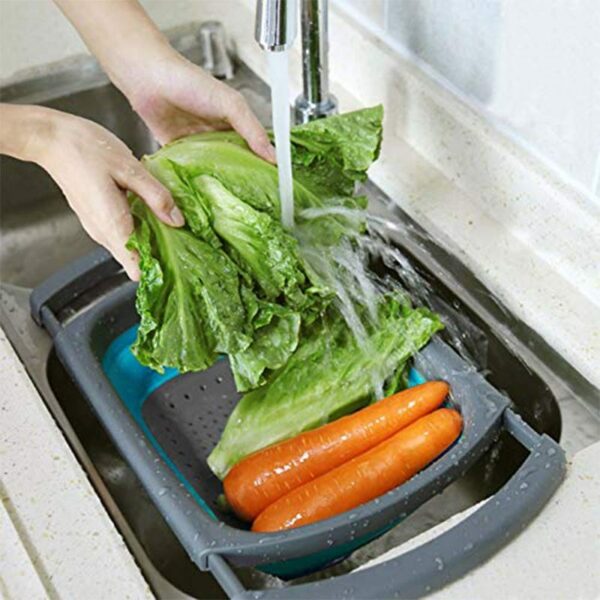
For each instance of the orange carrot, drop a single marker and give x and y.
(365, 477)
(261, 478)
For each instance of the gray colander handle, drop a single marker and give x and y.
(69, 283)
(456, 551)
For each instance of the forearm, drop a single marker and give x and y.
(118, 33)
(24, 131)
(173, 96)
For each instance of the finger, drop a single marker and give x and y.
(119, 227)
(111, 229)
(135, 178)
(244, 121)
(129, 259)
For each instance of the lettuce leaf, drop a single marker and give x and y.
(232, 280)
(189, 298)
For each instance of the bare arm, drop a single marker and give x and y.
(172, 95)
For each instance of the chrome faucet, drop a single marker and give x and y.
(276, 31)
(275, 24)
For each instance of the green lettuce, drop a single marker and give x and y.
(232, 280)
(287, 308)
(189, 298)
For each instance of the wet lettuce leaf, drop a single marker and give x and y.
(329, 375)
(188, 299)
(256, 242)
(330, 155)
(232, 281)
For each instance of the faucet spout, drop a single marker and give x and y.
(275, 24)
(276, 30)
(315, 101)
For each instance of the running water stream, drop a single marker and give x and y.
(279, 80)
(346, 268)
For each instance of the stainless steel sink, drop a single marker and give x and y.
(40, 235)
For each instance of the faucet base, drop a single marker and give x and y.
(305, 111)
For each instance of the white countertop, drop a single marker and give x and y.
(527, 237)
(554, 558)
(56, 538)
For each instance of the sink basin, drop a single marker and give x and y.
(40, 235)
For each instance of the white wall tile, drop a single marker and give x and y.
(533, 64)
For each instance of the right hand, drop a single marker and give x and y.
(94, 169)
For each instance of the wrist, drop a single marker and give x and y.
(137, 78)
(27, 131)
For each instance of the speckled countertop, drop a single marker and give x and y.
(56, 539)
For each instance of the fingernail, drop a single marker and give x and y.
(176, 217)
(271, 154)
(133, 272)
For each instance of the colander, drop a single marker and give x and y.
(165, 425)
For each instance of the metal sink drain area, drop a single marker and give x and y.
(544, 389)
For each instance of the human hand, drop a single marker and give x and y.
(172, 95)
(175, 98)
(94, 169)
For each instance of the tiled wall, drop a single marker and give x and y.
(533, 64)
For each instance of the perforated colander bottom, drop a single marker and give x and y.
(183, 415)
(186, 416)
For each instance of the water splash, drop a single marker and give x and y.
(344, 268)
(366, 266)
